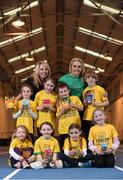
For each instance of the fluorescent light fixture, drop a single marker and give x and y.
(29, 58)
(100, 36)
(14, 11)
(104, 7)
(22, 80)
(22, 56)
(108, 55)
(18, 38)
(95, 68)
(93, 53)
(25, 69)
(18, 23)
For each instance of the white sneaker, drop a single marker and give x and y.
(36, 165)
(87, 164)
(59, 164)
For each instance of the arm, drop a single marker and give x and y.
(104, 102)
(116, 144)
(16, 115)
(78, 107)
(84, 152)
(69, 152)
(54, 156)
(76, 103)
(32, 114)
(60, 113)
(100, 104)
(94, 149)
(39, 157)
(66, 152)
(91, 146)
(15, 155)
(19, 96)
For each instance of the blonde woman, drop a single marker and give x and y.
(41, 73)
(74, 79)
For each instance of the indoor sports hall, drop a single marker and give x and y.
(55, 32)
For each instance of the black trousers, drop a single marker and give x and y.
(86, 125)
(72, 162)
(106, 160)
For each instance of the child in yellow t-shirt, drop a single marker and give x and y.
(75, 148)
(46, 104)
(94, 96)
(21, 148)
(46, 148)
(103, 140)
(68, 108)
(26, 109)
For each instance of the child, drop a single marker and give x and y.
(103, 140)
(21, 148)
(46, 104)
(46, 149)
(68, 108)
(75, 148)
(94, 96)
(26, 109)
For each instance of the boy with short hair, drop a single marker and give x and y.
(68, 108)
(94, 97)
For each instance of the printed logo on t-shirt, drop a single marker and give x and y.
(102, 139)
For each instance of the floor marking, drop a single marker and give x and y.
(11, 174)
(119, 168)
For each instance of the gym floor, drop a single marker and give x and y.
(7, 172)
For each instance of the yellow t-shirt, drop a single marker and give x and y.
(42, 145)
(25, 118)
(77, 146)
(103, 135)
(70, 117)
(98, 94)
(43, 116)
(22, 145)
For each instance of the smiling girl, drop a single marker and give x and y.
(46, 104)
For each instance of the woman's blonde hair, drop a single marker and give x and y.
(77, 60)
(36, 77)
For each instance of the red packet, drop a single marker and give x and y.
(46, 101)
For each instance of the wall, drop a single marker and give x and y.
(115, 109)
(7, 124)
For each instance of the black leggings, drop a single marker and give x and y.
(106, 160)
(86, 125)
(72, 162)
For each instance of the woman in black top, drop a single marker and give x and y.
(41, 73)
(36, 81)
